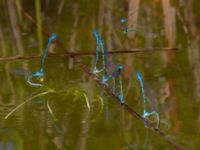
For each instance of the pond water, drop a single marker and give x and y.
(72, 111)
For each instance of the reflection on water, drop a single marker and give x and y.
(79, 114)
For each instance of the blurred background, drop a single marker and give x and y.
(171, 78)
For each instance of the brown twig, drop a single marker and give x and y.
(127, 107)
(15, 58)
(72, 54)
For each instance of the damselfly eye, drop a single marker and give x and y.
(122, 20)
(120, 68)
(53, 37)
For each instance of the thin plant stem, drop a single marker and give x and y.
(31, 98)
(39, 24)
(87, 101)
(2, 42)
(51, 112)
(101, 101)
(19, 13)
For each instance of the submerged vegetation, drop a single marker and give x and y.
(82, 56)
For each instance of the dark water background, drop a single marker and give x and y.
(172, 80)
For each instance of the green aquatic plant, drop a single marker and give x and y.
(82, 95)
(78, 93)
(34, 95)
(50, 110)
(100, 99)
(39, 24)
